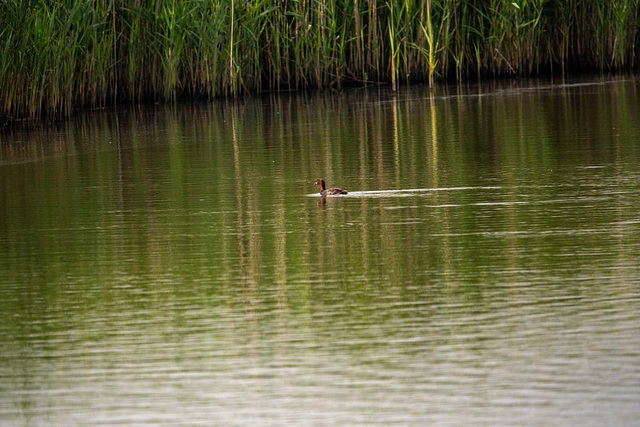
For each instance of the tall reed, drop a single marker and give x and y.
(57, 55)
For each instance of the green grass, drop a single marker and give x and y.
(56, 56)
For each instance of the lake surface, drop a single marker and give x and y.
(171, 265)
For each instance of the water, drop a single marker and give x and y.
(169, 266)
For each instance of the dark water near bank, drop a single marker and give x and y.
(168, 266)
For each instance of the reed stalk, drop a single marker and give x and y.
(58, 55)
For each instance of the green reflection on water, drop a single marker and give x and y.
(195, 221)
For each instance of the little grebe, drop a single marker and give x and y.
(330, 191)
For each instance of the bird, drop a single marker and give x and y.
(330, 191)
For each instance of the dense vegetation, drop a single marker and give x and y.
(59, 54)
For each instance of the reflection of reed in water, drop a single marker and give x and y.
(370, 141)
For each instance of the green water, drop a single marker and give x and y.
(172, 266)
